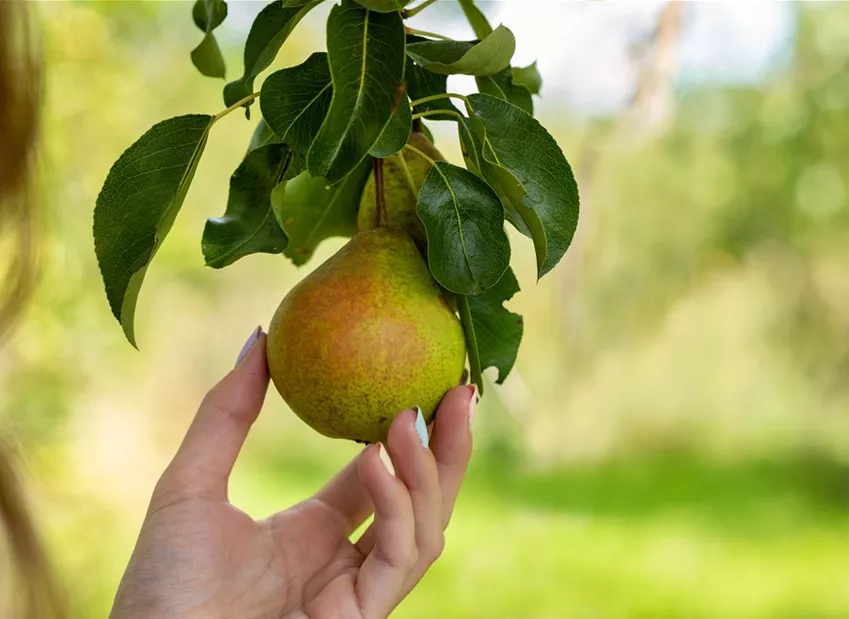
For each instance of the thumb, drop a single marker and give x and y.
(207, 454)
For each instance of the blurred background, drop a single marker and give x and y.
(674, 440)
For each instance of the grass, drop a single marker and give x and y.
(667, 536)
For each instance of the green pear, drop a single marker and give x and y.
(403, 175)
(363, 337)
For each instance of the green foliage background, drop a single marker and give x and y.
(673, 440)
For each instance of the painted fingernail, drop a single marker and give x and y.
(473, 401)
(421, 427)
(383, 455)
(248, 345)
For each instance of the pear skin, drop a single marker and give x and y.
(401, 191)
(363, 337)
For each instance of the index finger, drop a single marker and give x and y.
(451, 443)
(209, 450)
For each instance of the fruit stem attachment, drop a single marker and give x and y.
(380, 194)
(429, 35)
(416, 9)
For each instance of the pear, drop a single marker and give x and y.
(401, 190)
(363, 337)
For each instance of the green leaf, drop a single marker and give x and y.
(501, 85)
(207, 58)
(384, 6)
(467, 248)
(471, 341)
(310, 210)
(209, 14)
(477, 20)
(472, 149)
(270, 29)
(396, 132)
(486, 57)
(263, 134)
(422, 83)
(296, 167)
(295, 101)
(470, 146)
(248, 225)
(366, 55)
(528, 77)
(139, 201)
(529, 169)
(497, 331)
(428, 134)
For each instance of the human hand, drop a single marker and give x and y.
(198, 556)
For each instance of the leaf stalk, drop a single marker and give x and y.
(419, 115)
(426, 34)
(408, 176)
(417, 9)
(437, 97)
(420, 154)
(233, 107)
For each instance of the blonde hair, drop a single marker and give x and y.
(31, 581)
(36, 593)
(20, 89)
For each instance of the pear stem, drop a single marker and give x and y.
(380, 194)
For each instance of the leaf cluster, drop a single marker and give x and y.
(324, 123)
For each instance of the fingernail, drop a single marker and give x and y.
(248, 345)
(421, 427)
(473, 401)
(383, 455)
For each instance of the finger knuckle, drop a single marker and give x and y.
(174, 484)
(165, 488)
(413, 557)
(213, 397)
